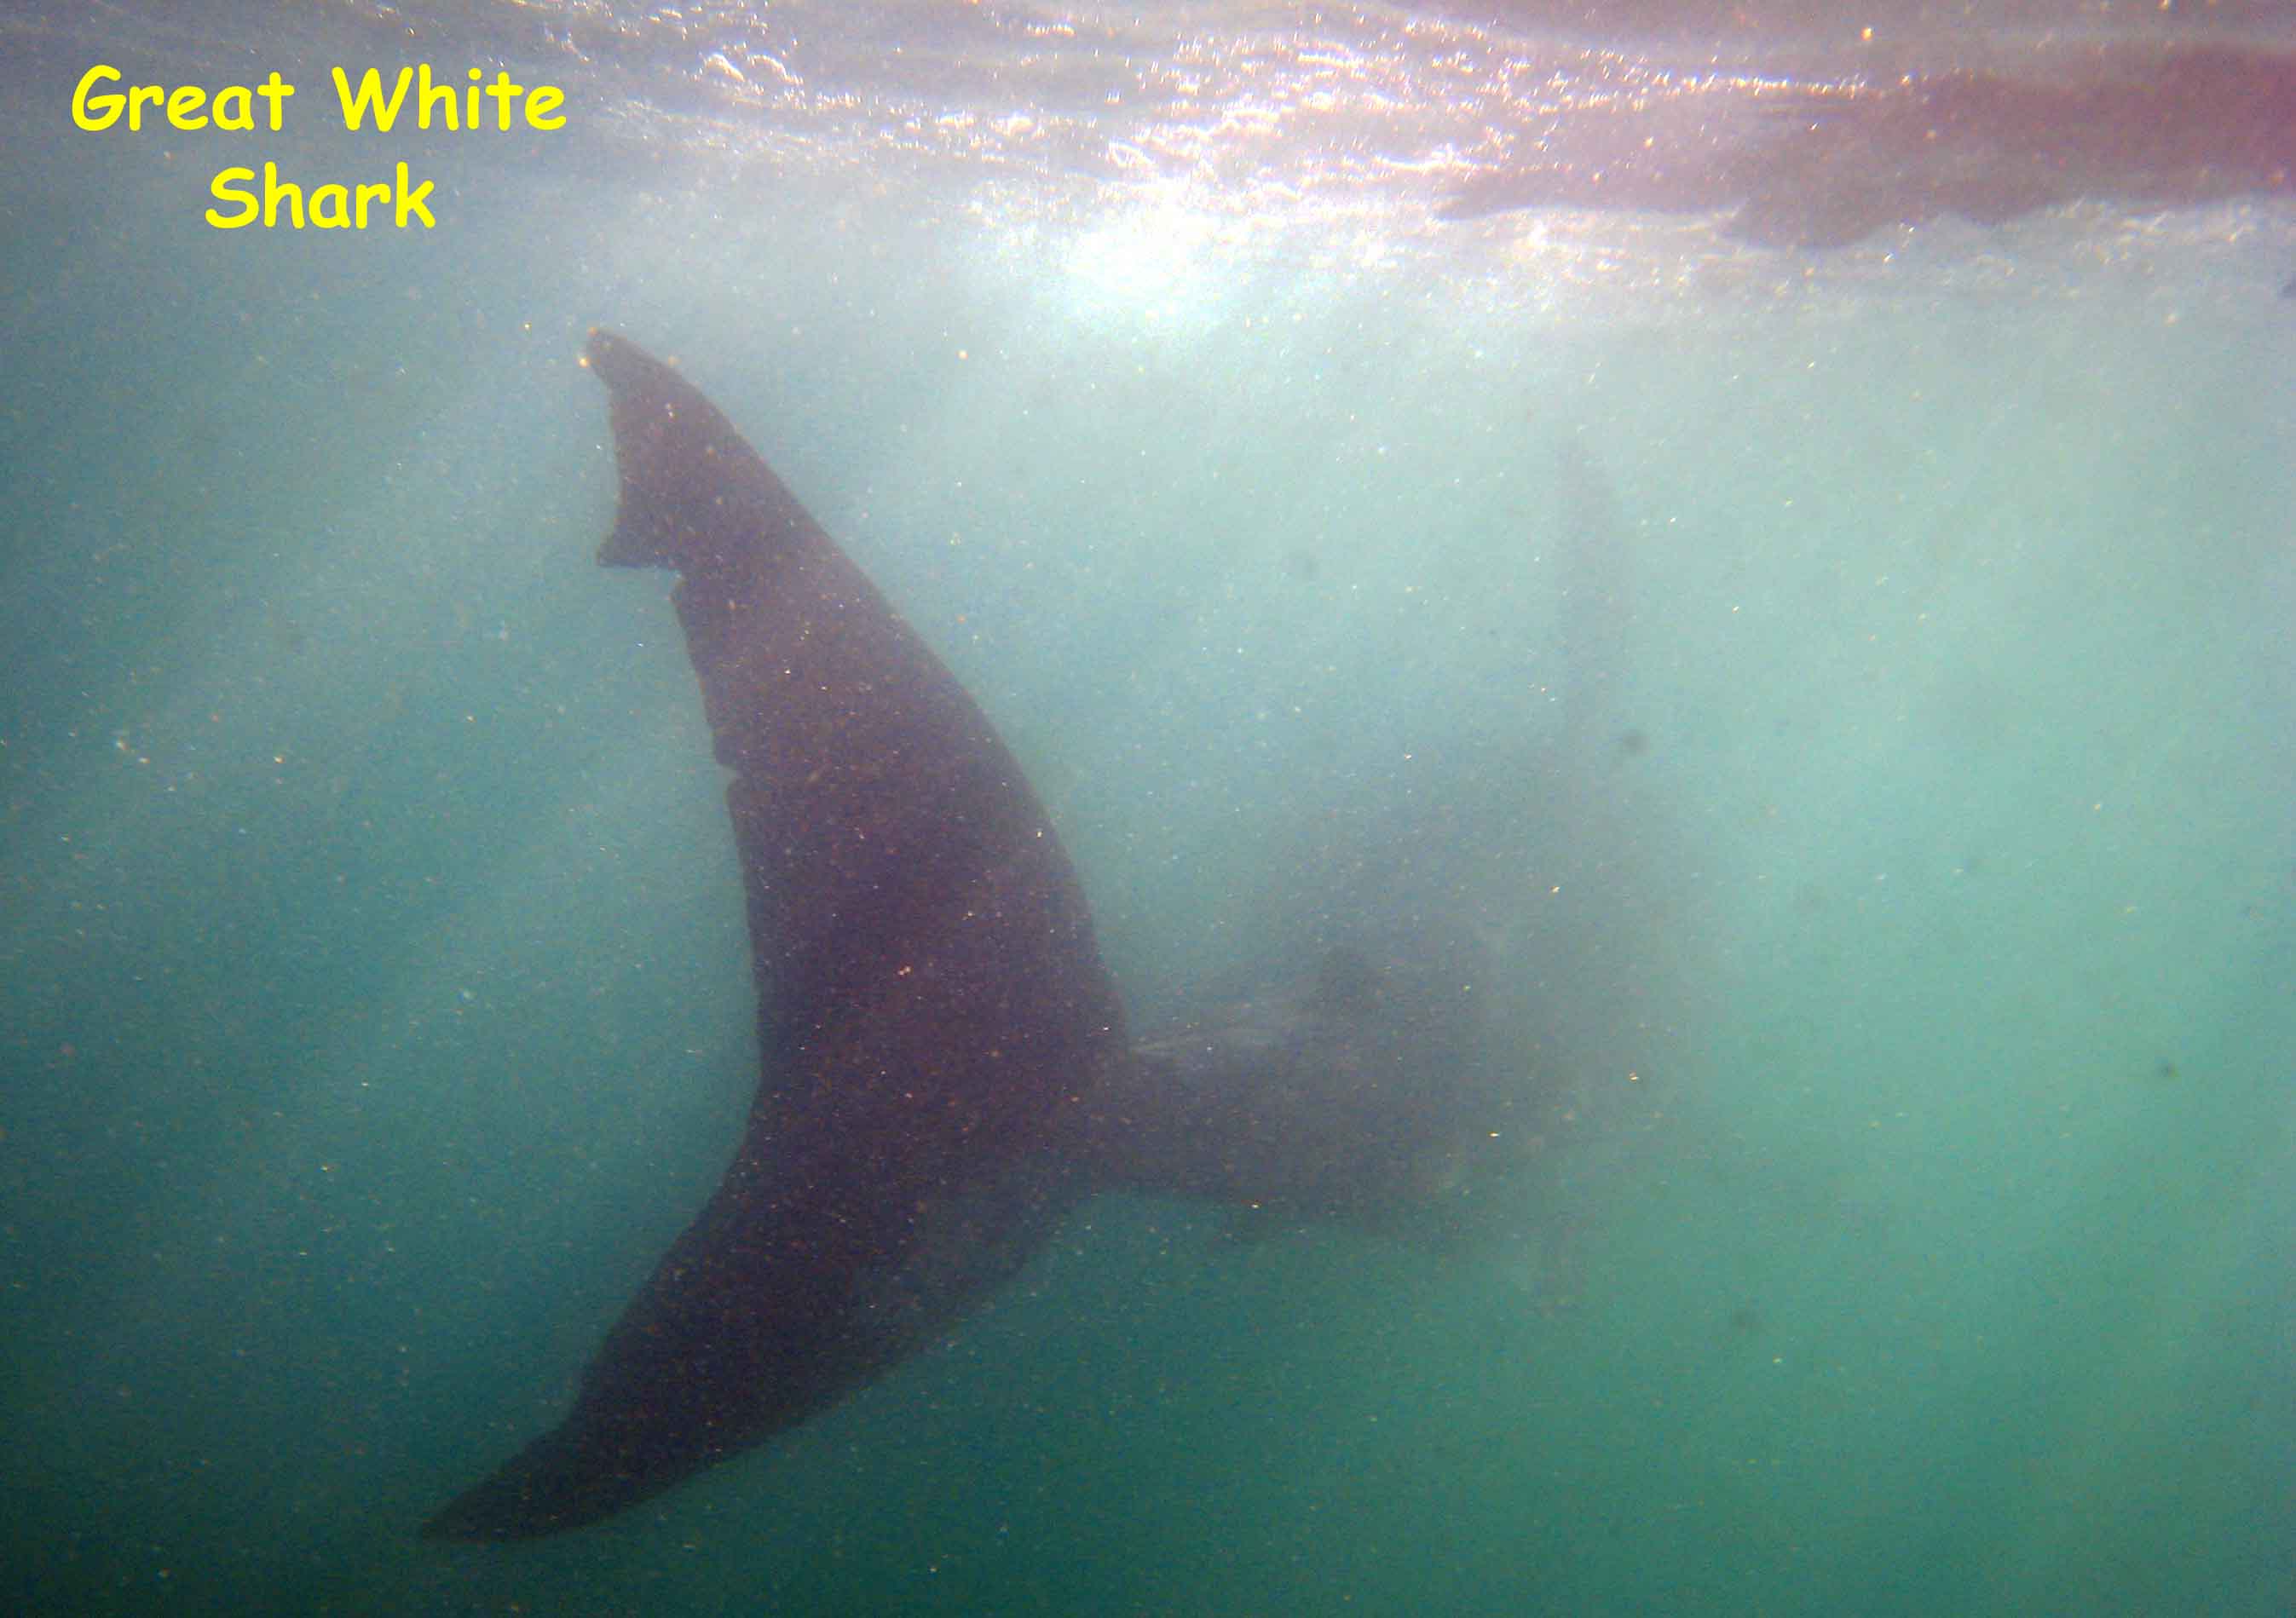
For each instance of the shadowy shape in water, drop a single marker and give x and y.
(944, 1065)
(1358, 1091)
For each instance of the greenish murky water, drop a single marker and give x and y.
(1905, 943)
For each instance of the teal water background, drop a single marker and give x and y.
(375, 1005)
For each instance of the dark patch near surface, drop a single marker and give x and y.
(2149, 126)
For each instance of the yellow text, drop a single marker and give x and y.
(182, 108)
(331, 207)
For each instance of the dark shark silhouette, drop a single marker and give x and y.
(930, 1002)
(945, 1067)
